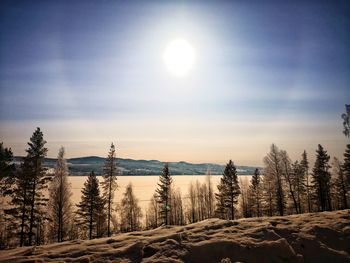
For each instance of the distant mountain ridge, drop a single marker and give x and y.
(84, 165)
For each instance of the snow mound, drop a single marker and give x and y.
(316, 237)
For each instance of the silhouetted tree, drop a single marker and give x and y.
(229, 190)
(163, 192)
(109, 183)
(60, 206)
(36, 153)
(321, 179)
(91, 205)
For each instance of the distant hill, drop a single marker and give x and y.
(84, 165)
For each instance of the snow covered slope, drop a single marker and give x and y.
(317, 237)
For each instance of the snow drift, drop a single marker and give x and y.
(316, 237)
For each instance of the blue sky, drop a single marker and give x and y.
(91, 72)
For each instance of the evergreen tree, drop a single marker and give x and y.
(29, 186)
(130, 212)
(60, 207)
(163, 192)
(109, 183)
(229, 189)
(256, 192)
(321, 179)
(91, 205)
(305, 169)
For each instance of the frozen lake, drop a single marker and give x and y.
(144, 186)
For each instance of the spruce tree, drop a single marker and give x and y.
(230, 190)
(91, 205)
(163, 192)
(321, 179)
(36, 154)
(60, 207)
(109, 183)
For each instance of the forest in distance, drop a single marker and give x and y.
(36, 206)
(84, 165)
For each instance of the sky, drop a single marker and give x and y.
(92, 72)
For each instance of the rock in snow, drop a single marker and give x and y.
(315, 237)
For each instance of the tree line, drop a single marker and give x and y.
(36, 206)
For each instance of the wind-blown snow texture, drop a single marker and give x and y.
(317, 237)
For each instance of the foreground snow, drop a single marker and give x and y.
(318, 237)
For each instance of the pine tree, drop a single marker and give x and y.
(163, 192)
(229, 189)
(256, 191)
(305, 169)
(60, 207)
(321, 179)
(109, 183)
(130, 212)
(273, 168)
(36, 154)
(91, 205)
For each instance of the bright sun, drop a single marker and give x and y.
(179, 57)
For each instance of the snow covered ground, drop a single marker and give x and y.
(317, 237)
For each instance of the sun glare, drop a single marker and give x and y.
(179, 57)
